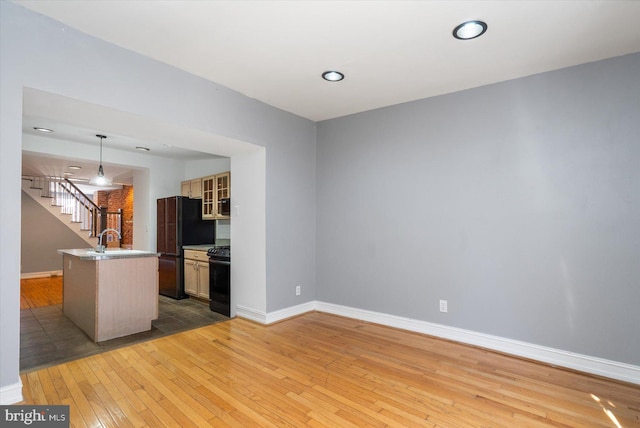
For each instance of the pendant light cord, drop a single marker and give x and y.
(101, 138)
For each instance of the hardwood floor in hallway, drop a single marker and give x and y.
(40, 292)
(321, 370)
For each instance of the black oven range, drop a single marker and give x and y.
(220, 279)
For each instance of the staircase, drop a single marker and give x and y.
(68, 204)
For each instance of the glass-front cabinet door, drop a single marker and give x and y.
(209, 202)
(223, 193)
(216, 191)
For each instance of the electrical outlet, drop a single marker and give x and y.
(443, 306)
(298, 290)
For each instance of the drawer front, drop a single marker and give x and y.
(196, 255)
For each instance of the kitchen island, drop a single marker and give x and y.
(110, 294)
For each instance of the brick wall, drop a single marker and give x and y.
(114, 200)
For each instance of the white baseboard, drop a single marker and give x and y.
(290, 312)
(271, 317)
(11, 394)
(252, 314)
(46, 274)
(555, 357)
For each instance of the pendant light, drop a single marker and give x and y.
(100, 179)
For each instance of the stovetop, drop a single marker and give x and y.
(220, 251)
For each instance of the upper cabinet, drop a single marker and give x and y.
(191, 188)
(216, 196)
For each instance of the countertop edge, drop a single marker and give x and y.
(90, 254)
(198, 247)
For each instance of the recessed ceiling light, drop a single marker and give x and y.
(68, 173)
(144, 149)
(332, 76)
(469, 30)
(74, 167)
(37, 128)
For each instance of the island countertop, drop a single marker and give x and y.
(110, 253)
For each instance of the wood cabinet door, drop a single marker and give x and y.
(203, 280)
(190, 277)
(196, 188)
(185, 189)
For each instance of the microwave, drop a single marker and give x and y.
(224, 206)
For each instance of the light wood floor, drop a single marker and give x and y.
(39, 292)
(322, 370)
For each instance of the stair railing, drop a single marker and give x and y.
(83, 209)
(71, 200)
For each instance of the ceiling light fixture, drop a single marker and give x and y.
(68, 173)
(332, 76)
(74, 167)
(144, 149)
(100, 179)
(469, 30)
(37, 128)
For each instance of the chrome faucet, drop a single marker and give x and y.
(100, 248)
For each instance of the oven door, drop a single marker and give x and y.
(220, 286)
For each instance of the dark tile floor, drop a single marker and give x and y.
(48, 337)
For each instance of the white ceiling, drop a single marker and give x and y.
(79, 122)
(390, 51)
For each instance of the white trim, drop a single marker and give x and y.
(252, 314)
(45, 274)
(272, 317)
(11, 394)
(555, 357)
(290, 312)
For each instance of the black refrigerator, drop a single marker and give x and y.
(179, 223)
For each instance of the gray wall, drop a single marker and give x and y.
(37, 52)
(42, 235)
(518, 202)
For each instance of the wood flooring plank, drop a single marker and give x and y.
(36, 388)
(370, 414)
(150, 419)
(197, 414)
(80, 402)
(270, 404)
(48, 387)
(129, 413)
(162, 412)
(58, 382)
(401, 417)
(116, 382)
(75, 418)
(104, 400)
(100, 409)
